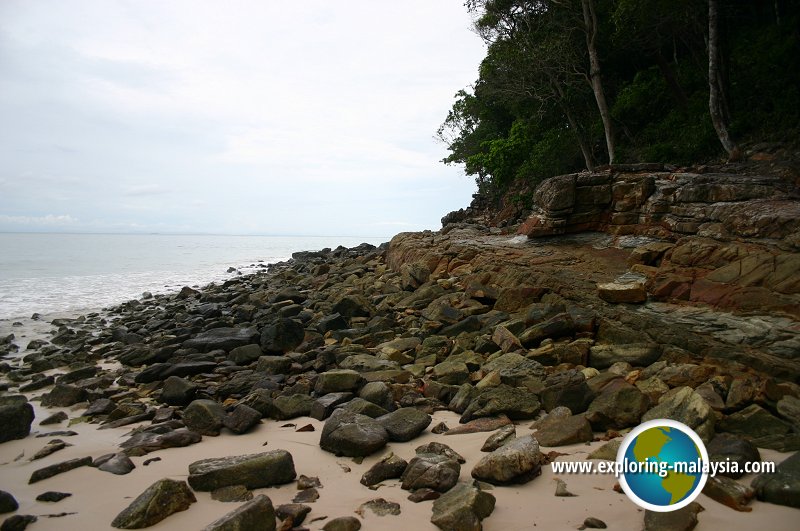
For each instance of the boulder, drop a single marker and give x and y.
(232, 493)
(8, 504)
(118, 464)
(622, 292)
(433, 471)
(343, 523)
(462, 508)
(729, 492)
(292, 406)
(380, 507)
(52, 496)
(282, 336)
(726, 447)
(350, 306)
(324, 405)
(404, 424)
(246, 354)
(16, 417)
(337, 381)
(389, 467)
(242, 419)
(63, 395)
(517, 404)
(363, 407)
(254, 471)
(379, 393)
(499, 438)
(566, 389)
(519, 461)
(158, 501)
(353, 435)
(514, 368)
(274, 364)
(439, 449)
(555, 431)
(788, 408)
(297, 512)
(178, 391)
(637, 354)
(619, 405)
(783, 486)
(255, 515)
(686, 406)
(205, 417)
(451, 372)
(332, 322)
(684, 519)
(754, 422)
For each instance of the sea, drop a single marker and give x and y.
(71, 273)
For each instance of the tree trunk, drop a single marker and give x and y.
(590, 23)
(585, 150)
(715, 88)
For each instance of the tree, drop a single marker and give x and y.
(590, 28)
(716, 88)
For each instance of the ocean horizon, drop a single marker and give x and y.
(44, 273)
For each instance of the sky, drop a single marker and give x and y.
(236, 117)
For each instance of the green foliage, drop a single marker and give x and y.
(532, 102)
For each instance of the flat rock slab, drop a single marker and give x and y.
(158, 501)
(405, 423)
(146, 442)
(226, 339)
(59, 468)
(479, 425)
(253, 471)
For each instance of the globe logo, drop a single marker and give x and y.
(663, 465)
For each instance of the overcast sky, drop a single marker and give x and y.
(238, 117)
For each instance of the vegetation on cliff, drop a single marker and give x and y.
(571, 84)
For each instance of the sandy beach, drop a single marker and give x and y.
(97, 497)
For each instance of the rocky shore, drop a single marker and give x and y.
(436, 377)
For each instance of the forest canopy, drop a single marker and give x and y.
(572, 84)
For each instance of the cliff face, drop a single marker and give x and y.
(668, 206)
(706, 266)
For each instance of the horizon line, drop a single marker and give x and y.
(270, 235)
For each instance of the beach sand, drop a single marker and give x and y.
(97, 496)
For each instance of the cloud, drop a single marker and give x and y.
(268, 117)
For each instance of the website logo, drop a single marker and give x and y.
(663, 465)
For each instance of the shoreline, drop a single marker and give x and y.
(99, 496)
